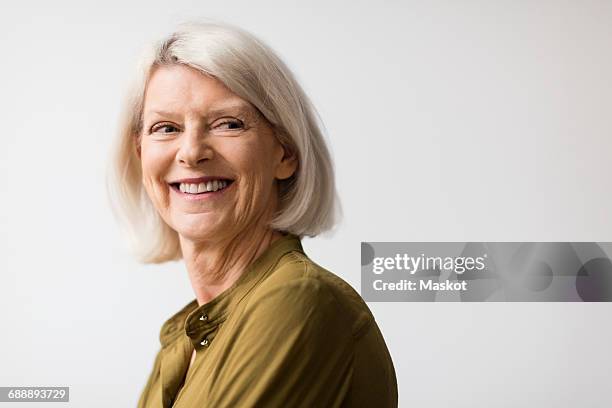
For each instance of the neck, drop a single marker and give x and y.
(215, 266)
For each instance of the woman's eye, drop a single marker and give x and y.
(230, 124)
(163, 128)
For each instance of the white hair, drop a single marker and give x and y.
(308, 201)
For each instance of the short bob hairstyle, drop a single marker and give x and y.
(308, 201)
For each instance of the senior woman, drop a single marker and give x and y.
(221, 163)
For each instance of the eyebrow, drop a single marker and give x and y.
(216, 111)
(239, 106)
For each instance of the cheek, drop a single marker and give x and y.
(152, 166)
(256, 182)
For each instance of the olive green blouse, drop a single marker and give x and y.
(288, 333)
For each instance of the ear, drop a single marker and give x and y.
(288, 163)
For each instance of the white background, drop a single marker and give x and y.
(448, 121)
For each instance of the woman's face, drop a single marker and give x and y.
(196, 128)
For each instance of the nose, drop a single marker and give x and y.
(194, 149)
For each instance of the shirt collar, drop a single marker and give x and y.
(199, 322)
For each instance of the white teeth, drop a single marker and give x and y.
(214, 185)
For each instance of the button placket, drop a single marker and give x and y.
(201, 326)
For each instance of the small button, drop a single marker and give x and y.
(204, 317)
(204, 342)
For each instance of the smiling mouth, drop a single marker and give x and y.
(201, 188)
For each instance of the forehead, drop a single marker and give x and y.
(182, 88)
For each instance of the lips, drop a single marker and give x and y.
(198, 180)
(203, 191)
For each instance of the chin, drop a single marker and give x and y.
(196, 235)
(197, 227)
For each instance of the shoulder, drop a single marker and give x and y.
(300, 287)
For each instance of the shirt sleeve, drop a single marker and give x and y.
(145, 394)
(292, 348)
